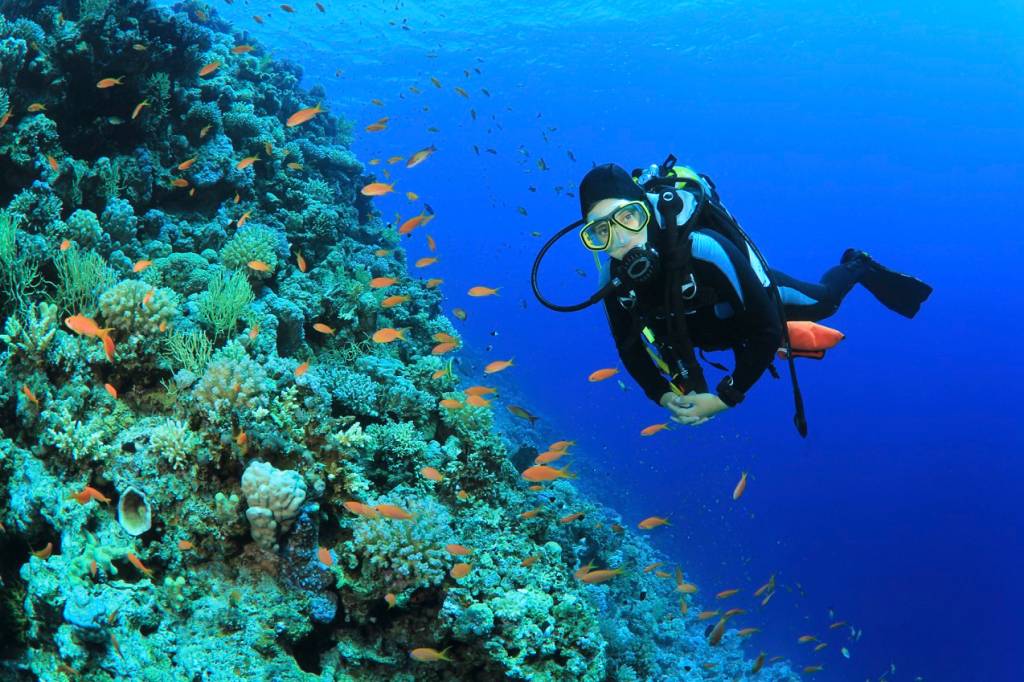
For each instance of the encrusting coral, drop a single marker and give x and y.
(296, 502)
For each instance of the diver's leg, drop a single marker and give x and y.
(805, 301)
(898, 292)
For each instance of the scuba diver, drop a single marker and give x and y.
(683, 275)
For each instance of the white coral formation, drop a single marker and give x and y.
(274, 497)
(130, 307)
(173, 441)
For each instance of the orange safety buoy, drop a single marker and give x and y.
(811, 340)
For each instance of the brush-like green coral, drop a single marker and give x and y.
(225, 302)
(189, 350)
(81, 277)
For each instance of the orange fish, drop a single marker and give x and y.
(89, 493)
(420, 156)
(85, 326)
(185, 545)
(431, 474)
(109, 388)
(393, 512)
(301, 369)
(716, 634)
(209, 68)
(204, 130)
(561, 444)
(242, 438)
(108, 344)
(323, 328)
(185, 165)
(387, 335)
(740, 487)
(361, 509)
(458, 550)
(459, 313)
(6, 117)
(36, 107)
(477, 401)
(392, 301)
(53, 163)
(303, 115)
(447, 347)
(460, 570)
(433, 282)
(381, 282)
(246, 162)
(138, 108)
(450, 404)
(375, 127)
(137, 563)
(395, 159)
(733, 612)
(431, 244)
(29, 394)
(804, 639)
(483, 291)
(462, 495)
(725, 594)
(411, 224)
(376, 189)
(65, 245)
(497, 366)
(425, 261)
(179, 182)
(570, 518)
(653, 522)
(472, 390)
(294, 165)
(528, 561)
(601, 576)
(653, 429)
(259, 266)
(45, 552)
(245, 216)
(602, 374)
(428, 655)
(382, 252)
(324, 555)
(541, 472)
(549, 456)
(254, 332)
(110, 82)
(532, 513)
(391, 599)
(141, 265)
(242, 49)
(148, 297)
(706, 615)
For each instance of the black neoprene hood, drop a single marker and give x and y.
(607, 181)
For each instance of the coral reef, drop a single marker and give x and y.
(196, 482)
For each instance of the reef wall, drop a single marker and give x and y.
(212, 466)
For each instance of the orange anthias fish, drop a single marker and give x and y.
(29, 394)
(392, 301)
(460, 570)
(303, 115)
(53, 163)
(241, 49)
(110, 82)
(431, 244)
(428, 655)
(138, 108)
(420, 156)
(246, 162)
(653, 522)
(570, 518)
(381, 282)
(458, 550)
(392, 511)
(472, 390)
(209, 68)
(323, 328)
(740, 487)
(301, 369)
(141, 265)
(433, 282)
(137, 563)
(185, 545)
(86, 326)
(497, 366)
(241, 221)
(602, 374)
(375, 127)
(653, 429)
(185, 165)
(259, 266)
(361, 509)
(450, 404)
(387, 335)
(89, 493)
(541, 472)
(425, 261)
(549, 456)
(324, 555)
(725, 594)
(391, 599)
(600, 576)
(431, 474)
(446, 347)
(477, 401)
(411, 224)
(376, 189)
(479, 291)
(300, 261)
(109, 388)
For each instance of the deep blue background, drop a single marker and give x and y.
(893, 129)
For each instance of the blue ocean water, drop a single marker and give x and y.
(898, 129)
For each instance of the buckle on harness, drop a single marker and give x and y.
(628, 301)
(689, 289)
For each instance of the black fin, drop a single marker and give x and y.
(897, 292)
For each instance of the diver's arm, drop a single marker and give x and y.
(633, 353)
(760, 325)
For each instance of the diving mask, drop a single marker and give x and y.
(633, 217)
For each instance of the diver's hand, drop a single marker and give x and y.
(694, 408)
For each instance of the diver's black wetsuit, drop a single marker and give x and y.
(745, 318)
